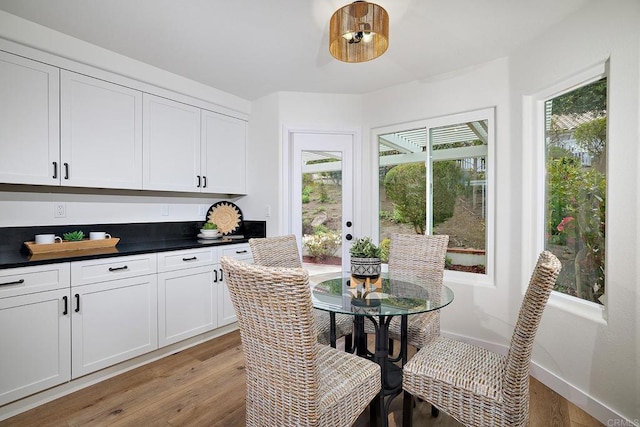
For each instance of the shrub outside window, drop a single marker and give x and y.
(433, 179)
(575, 195)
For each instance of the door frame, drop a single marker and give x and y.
(288, 133)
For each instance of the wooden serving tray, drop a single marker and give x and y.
(71, 246)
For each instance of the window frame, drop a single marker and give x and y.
(488, 114)
(534, 179)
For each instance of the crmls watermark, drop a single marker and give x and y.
(623, 423)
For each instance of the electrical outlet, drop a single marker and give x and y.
(202, 210)
(164, 210)
(267, 211)
(60, 210)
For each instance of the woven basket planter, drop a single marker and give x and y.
(366, 267)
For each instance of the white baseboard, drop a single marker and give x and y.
(580, 398)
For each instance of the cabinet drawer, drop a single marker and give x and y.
(28, 280)
(189, 258)
(242, 251)
(102, 270)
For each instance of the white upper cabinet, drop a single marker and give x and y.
(59, 127)
(171, 144)
(100, 133)
(29, 122)
(224, 150)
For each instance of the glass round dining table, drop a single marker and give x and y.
(380, 299)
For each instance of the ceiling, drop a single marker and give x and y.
(251, 48)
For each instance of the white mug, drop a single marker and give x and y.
(47, 238)
(99, 235)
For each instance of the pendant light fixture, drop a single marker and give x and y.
(359, 32)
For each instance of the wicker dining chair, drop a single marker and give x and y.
(417, 258)
(478, 387)
(292, 380)
(282, 251)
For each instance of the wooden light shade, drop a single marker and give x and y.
(359, 32)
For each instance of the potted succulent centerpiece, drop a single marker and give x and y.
(365, 258)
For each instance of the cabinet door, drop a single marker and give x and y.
(29, 122)
(100, 133)
(226, 312)
(171, 145)
(35, 333)
(112, 322)
(224, 153)
(186, 304)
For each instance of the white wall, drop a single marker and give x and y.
(264, 164)
(592, 363)
(270, 117)
(579, 350)
(484, 86)
(24, 206)
(30, 34)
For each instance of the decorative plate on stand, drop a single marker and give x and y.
(226, 215)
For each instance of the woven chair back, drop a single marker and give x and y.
(278, 334)
(516, 376)
(418, 256)
(278, 251)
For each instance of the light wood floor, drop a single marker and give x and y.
(205, 386)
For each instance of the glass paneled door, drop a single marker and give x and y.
(321, 199)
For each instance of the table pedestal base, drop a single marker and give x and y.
(391, 373)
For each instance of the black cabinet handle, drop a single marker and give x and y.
(16, 282)
(349, 223)
(77, 310)
(348, 237)
(124, 267)
(221, 277)
(198, 180)
(204, 180)
(66, 305)
(193, 258)
(241, 252)
(55, 170)
(215, 279)
(66, 171)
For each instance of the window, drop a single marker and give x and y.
(575, 189)
(433, 179)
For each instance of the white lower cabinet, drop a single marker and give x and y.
(186, 304)
(35, 332)
(226, 312)
(186, 294)
(62, 321)
(112, 320)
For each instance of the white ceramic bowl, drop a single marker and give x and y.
(209, 233)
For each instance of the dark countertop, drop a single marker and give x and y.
(24, 259)
(134, 239)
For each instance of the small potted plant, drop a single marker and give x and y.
(365, 258)
(209, 230)
(73, 236)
